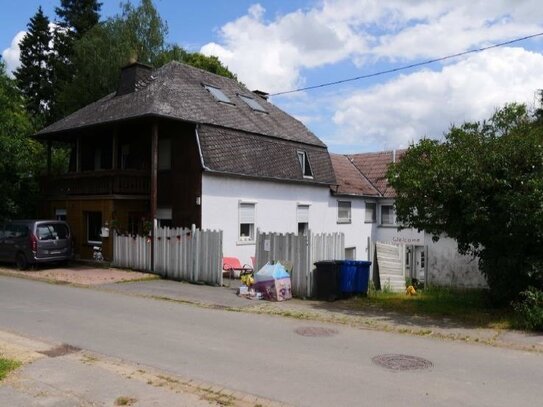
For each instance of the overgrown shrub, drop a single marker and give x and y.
(529, 309)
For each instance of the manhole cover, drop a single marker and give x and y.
(60, 350)
(315, 331)
(401, 362)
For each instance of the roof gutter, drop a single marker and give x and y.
(200, 148)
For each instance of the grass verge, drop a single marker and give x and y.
(6, 366)
(468, 306)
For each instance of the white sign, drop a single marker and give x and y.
(267, 245)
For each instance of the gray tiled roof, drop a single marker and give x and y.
(233, 152)
(176, 92)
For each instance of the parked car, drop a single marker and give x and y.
(28, 242)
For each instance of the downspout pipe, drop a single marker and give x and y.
(200, 148)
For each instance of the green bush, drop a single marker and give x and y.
(529, 309)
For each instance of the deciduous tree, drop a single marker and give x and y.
(483, 186)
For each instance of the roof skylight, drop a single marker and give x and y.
(218, 94)
(253, 103)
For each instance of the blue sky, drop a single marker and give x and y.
(282, 45)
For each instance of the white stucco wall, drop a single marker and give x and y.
(447, 267)
(275, 205)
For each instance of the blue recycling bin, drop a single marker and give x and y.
(354, 277)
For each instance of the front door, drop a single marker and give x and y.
(420, 263)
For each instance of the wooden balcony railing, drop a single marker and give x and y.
(109, 182)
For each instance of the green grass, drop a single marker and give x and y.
(6, 366)
(468, 306)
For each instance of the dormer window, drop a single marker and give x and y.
(253, 104)
(304, 164)
(218, 94)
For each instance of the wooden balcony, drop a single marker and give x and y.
(109, 182)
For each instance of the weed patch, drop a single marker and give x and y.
(469, 306)
(6, 366)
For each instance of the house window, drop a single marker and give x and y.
(388, 216)
(218, 94)
(304, 164)
(343, 212)
(125, 156)
(246, 222)
(97, 159)
(165, 154)
(371, 212)
(164, 217)
(350, 253)
(94, 227)
(253, 104)
(302, 218)
(60, 214)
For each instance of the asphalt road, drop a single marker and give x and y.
(264, 355)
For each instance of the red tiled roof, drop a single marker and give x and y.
(375, 166)
(350, 180)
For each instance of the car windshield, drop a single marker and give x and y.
(52, 231)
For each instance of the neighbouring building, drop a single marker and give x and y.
(362, 186)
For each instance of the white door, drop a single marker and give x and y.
(420, 263)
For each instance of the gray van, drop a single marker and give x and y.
(28, 242)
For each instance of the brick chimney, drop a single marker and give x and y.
(133, 76)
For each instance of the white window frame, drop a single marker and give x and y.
(351, 249)
(163, 214)
(374, 217)
(344, 220)
(93, 242)
(393, 223)
(303, 159)
(60, 214)
(302, 217)
(245, 218)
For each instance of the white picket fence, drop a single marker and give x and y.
(301, 252)
(180, 254)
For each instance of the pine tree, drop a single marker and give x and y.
(34, 76)
(76, 17)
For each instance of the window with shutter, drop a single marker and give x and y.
(247, 222)
(302, 217)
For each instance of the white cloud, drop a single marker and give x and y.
(272, 54)
(426, 103)
(11, 55)
(269, 54)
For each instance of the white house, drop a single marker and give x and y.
(185, 146)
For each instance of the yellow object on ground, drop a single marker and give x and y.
(411, 290)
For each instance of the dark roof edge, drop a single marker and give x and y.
(44, 135)
(262, 178)
(355, 195)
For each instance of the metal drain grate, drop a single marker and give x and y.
(60, 350)
(315, 331)
(401, 362)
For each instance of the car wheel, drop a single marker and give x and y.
(21, 261)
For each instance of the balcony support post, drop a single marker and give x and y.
(114, 150)
(78, 154)
(49, 148)
(154, 187)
